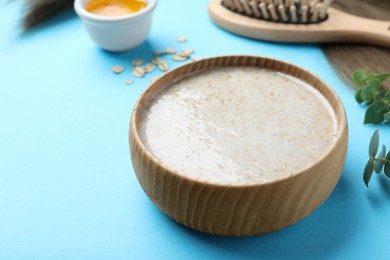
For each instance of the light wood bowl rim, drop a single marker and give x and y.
(341, 120)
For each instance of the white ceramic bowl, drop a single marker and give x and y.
(120, 33)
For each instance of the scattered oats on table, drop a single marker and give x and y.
(129, 82)
(181, 39)
(117, 69)
(138, 72)
(137, 62)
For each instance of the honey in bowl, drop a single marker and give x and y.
(115, 7)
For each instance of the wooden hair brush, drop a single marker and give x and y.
(306, 21)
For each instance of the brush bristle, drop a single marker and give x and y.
(283, 11)
(38, 11)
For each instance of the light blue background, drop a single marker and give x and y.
(67, 187)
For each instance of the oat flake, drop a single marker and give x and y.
(118, 69)
(137, 62)
(170, 51)
(163, 65)
(149, 68)
(178, 57)
(129, 82)
(138, 72)
(156, 60)
(181, 39)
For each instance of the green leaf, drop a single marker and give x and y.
(387, 117)
(358, 96)
(387, 95)
(381, 77)
(369, 77)
(387, 165)
(358, 76)
(381, 95)
(368, 170)
(370, 91)
(378, 165)
(374, 143)
(375, 113)
(387, 169)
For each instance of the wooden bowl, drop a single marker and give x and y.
(239, 210)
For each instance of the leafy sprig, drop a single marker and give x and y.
(376, 163)
(372, 94)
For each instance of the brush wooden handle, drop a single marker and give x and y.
(351, 28)
(339, 27)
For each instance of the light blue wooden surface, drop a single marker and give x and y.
(67, 187)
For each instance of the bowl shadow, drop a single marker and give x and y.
(378, 198)
(143, 51)
(317, 236)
